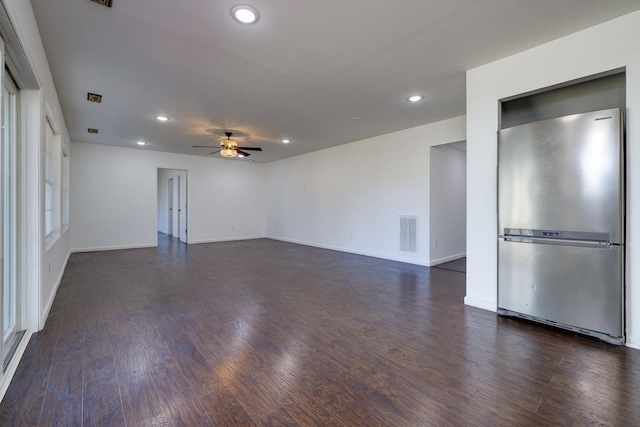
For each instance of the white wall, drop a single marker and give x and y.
(607, 46)
(448, 216)
(115, 189)
(350, 197)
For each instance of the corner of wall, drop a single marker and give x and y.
(480, 303)
(44, 313)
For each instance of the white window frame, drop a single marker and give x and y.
(10, 213)
(52, 181)
(65, 190)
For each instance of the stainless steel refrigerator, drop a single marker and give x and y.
(561, 223)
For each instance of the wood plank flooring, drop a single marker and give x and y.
(263, 332)
(459, 265)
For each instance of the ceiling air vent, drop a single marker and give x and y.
(409, 234)
(103, 2)
(94, 97)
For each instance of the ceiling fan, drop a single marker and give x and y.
(229, 148)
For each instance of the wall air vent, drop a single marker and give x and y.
(409, 234)
(92, 130)
(103, 2)
(94, 97)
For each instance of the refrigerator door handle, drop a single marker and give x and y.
(599, 244)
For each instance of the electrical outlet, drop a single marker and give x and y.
(233, 228)
(435, 243)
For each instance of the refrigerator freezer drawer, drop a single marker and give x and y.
(571, 285)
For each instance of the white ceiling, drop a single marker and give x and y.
(304, 71)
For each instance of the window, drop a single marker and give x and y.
(65, 190)
(52, 184)
(48, 182)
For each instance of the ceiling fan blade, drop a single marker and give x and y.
(203, 146)
(217, 151)
(243, 153)
(250, 148)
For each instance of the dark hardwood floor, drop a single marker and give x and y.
(459, 265)
(268, 333)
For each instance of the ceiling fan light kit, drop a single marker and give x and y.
(229, 148)
(228, 152)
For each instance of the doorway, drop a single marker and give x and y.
(173, 206)
(448, 203)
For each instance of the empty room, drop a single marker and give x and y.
(308, 213)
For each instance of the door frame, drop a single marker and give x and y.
(183, 199)
(170, 206)
(438, 208)
(189, 186)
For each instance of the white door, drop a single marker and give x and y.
(182, 206)
(170, 213)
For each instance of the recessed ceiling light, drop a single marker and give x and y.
(415, 98)
(244, 14)
(162, 118)
(286, 141)
(141, 143)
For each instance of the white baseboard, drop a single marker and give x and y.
(405, 259)
(113, 248)
(632, 344)
(483, 304)
(447, 259)
(13, 365)
(45, 310)
(225, 239)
